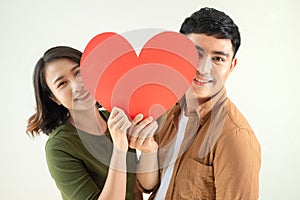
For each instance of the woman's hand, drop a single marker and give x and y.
(118, 124)
(141, 134)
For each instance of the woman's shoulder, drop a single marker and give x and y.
(61, 136)
(62, 130)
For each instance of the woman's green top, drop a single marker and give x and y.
(79, 162)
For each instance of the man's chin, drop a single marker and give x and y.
(198, 95)
(202, 92)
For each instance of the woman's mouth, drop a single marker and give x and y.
(83, 96)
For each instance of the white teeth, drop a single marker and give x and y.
(201, 80)
(82, 95)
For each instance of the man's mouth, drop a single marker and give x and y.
(202, 81)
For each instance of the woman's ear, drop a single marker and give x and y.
(53, 98)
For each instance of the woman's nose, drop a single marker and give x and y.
(78, 84)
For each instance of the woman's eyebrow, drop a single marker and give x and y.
(61, 77)
(75, 67)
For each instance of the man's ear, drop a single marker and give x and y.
(233, 64)
(53, 98)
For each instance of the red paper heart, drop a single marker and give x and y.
(149, 83)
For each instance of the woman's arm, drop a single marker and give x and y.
(70, 173)
(115, 185)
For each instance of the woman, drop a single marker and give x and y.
(87, 149)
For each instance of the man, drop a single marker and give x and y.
(207, 150)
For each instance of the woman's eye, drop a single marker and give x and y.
(61, 84)
(78, 73)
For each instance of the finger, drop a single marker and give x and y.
(146, 121)
(135, 131)
(125, 125)
(122, 121)
(139, 143)
(132, 142)
(149, 130)
(134, 122)
(152, 128)
(114, 123)
(145, 134)
(117, 115)
(114, 112)
(142, 137)
(137, 119)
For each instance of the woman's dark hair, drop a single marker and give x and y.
(213, 22)
(48, 113)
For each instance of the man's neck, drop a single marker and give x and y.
(202, 106)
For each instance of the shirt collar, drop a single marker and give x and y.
(202, 111)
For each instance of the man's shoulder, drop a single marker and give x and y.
(234, 118)
(236, 127)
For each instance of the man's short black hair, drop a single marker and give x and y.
(213, 23)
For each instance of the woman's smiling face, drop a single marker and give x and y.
(64, 80)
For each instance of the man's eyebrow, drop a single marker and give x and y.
(61, 77)
(199, 48)
(220, 53)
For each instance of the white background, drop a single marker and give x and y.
(264, 85)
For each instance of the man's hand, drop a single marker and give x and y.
(141, 134)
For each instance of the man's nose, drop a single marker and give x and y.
(205, 65)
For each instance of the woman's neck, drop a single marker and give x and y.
(89, 121)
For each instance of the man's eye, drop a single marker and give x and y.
(218, 59)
